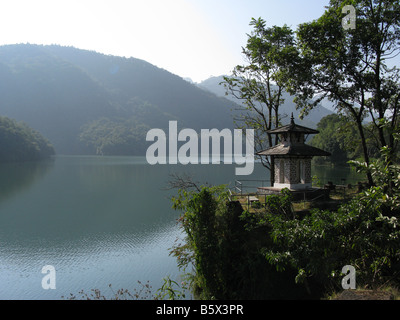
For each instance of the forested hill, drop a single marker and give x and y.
(18, 142)
(86, 102)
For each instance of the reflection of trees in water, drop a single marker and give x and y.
(15, 177)
(337, 174)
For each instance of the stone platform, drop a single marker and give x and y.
(298, 195)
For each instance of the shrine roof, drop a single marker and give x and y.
(293, 127)
(293, 150)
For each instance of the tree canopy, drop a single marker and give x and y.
(18, 142)
(352, 67)
(260, 84)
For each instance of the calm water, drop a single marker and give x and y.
(97, 220)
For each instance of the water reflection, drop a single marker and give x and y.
(98, 220)
(17, 177)
(337, 175)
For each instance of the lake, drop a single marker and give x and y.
(97, 220)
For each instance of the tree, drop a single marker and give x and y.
(259, 85)
(352, 67)
(363, 233)
(223, 243)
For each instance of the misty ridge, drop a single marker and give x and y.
(89, 103)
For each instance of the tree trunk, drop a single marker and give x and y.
(365, 149)
(272, 171)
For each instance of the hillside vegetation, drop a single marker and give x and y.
(18, 142)
(86, 102)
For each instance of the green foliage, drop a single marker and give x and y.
(345, 66)
(18, 142)
(58, 90)
(171, 290)
(330, 138)
(142, 293)
(363, 233)
(338, 135)
(223, 246)
(273, 253)
(279, 205)
(115, 137)
(259, 85)
(352, 67)
(202, 223)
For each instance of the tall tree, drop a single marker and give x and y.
(259, 84)
(353, 67)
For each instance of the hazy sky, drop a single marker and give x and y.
(190, 38)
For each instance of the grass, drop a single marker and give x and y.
(384, 293)
(143, 293)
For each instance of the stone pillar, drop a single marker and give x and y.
(307, 169)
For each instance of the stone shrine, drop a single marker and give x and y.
(292, 158)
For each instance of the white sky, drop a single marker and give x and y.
(190, 38)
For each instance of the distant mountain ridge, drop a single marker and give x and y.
(213, 85)
(85, 102)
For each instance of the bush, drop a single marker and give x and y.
(363, 233)
(224, 246)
